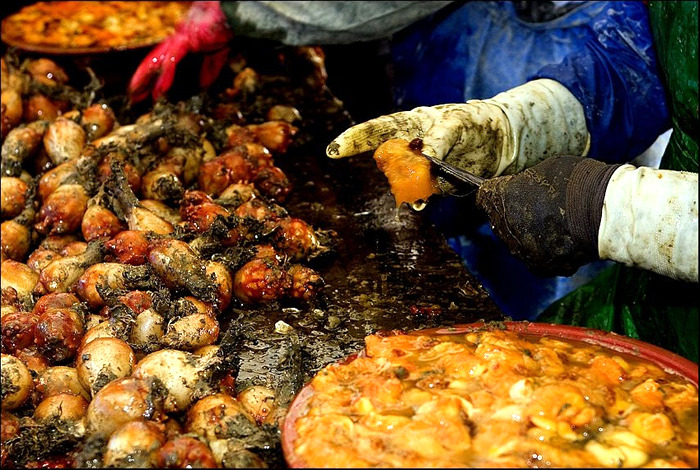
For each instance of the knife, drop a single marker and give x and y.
(455, 173)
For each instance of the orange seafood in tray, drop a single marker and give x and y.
(79, 27)
(503, 395)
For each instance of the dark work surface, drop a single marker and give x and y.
(387, 270)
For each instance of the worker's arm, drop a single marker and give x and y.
(604, 100)
(504, 134)
(568, 211)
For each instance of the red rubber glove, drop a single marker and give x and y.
(203, 30)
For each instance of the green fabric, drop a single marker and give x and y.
(635, 303)
(630, 301)
(675, 29)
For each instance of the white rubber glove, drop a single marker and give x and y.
(650, 221)
(504, 134)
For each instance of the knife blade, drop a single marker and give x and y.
(454, 172)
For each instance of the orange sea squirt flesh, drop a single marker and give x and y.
(407, 170)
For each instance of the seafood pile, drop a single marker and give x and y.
(126, 242)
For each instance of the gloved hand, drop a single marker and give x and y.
(567, 211)
(504, 134)
(205, 29)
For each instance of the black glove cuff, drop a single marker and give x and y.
(585, 193)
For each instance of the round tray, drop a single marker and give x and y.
(54, 49)
(670, 362)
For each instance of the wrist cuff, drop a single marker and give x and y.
(585, 193)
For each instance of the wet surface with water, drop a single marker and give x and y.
(387, 270)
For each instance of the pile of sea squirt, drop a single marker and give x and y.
(127, 239)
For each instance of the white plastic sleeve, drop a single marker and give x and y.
(650, 221)
(545, 119)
